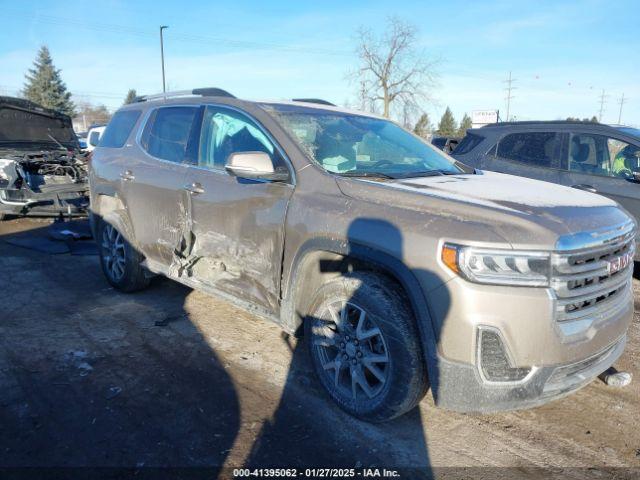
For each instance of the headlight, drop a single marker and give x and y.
(498, 267)
(4, 179)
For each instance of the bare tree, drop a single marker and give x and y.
(391, 69)
(88, 114)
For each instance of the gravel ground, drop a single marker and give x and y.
(87, 379)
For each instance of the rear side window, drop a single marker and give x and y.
(534, 148)
(167, 133)
(119, 129)
(468, 143)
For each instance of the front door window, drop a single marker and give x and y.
(603, 156)
(226, 131)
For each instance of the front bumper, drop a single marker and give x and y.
(459, 386)
(561, 355)
(73, 201)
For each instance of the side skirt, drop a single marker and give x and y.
(249, 307)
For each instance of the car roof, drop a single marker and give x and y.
(560, 125)
(223, 97)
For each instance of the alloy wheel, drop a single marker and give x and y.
(351, 349)
(113, 252)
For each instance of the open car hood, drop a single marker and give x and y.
(25, 123)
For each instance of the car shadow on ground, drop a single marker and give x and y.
(92, 379)
(286, 438)
(105, 383)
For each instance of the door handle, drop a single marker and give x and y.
(127, 176)
(194, 188)
(588, 188)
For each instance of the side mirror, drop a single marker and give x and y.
(254, 166)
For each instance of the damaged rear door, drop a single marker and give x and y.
(237, 224)
(153, 182)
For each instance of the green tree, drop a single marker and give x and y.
(423, 126)
(465, 125)
(131, 96)
(594, 119)
(447, 126)
(44, 85)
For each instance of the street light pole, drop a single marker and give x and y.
(164, 89)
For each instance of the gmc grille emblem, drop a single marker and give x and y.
(619, 263)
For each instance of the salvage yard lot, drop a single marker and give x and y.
(172, 377)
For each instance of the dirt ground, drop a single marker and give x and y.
(170, 377)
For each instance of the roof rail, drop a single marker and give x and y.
(205, 92)
(212, 92)
(313, 100)
(544, 122)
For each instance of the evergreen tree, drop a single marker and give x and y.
(447, 126)
(423, 126)
(594, 119)
(465, 125)
(45, 87)
(131, 96)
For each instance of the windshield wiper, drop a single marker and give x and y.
(366, 174)
(426, 173)
(50, 135)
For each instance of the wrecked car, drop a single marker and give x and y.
(403, 270)
(42, 170)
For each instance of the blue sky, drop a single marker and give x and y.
(562, 54)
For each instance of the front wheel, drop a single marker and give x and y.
(121, 263)
(365, 347)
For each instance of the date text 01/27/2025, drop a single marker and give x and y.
(315, 473)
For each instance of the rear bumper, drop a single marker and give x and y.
(459, 386)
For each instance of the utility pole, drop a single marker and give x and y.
(602, 98)
(164, 88)
(509, 97)
(621, 102)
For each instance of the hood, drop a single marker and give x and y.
(528, 213)
(26, 124)
(501, 191)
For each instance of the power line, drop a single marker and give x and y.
(182, 37)
(75, 93)
(509, 88)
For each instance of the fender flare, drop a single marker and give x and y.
(387, 264)
(118, 219)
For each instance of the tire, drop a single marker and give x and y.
(121, 263)
(379, 342)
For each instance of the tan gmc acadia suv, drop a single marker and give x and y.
(404, 269)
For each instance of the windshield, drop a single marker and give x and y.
(439, 142)
(354, 145)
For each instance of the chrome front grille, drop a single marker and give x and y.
(591, 282)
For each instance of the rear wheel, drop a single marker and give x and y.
(365, 346)
(121, 263)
